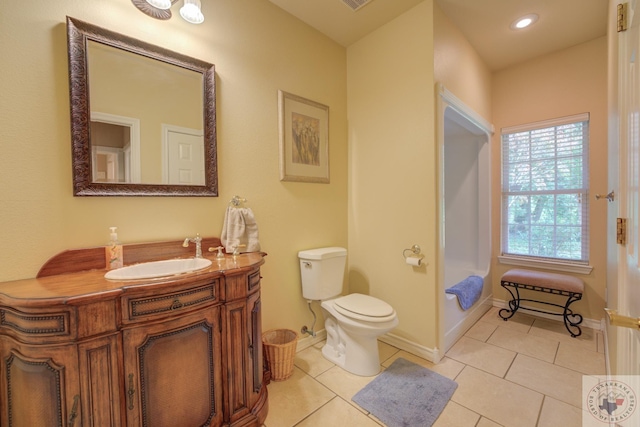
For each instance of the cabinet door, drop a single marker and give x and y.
(255, 347)
(237, 358)
(39, 385)
(173, 372)
(100, 381)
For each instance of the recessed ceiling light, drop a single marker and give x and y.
(524, 21)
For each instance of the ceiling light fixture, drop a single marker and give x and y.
(522, 22)
(191, 11)
(160, 4)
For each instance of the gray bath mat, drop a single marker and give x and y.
(406, 395)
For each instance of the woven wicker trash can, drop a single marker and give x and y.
(280, 351)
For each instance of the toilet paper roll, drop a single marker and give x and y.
(413, 260)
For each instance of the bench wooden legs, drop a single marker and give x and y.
(571, 320)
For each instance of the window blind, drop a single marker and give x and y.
(545, 189)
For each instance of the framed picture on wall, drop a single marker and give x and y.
(304, 139)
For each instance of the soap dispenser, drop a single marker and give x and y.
(113, 251)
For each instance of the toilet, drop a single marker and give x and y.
(353, 322)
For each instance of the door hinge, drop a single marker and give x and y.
(621, 231)
(622, 17)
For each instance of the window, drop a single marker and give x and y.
(545, 189)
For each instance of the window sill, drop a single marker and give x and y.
(547, 265)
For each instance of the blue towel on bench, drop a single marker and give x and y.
(468, 291)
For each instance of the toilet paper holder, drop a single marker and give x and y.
(415, 249)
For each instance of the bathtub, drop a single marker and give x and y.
(456, 320)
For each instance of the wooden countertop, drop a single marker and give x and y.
(76, 286)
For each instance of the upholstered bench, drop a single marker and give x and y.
(551, 283)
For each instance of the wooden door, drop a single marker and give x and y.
(173, 372)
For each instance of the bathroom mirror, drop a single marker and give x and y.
(142, 117)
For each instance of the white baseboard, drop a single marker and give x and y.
(589, 323)
(309, 340)
(431, 354)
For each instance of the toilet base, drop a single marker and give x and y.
(356, 354)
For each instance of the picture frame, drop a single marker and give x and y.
(304, 139)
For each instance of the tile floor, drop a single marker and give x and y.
(523, 372)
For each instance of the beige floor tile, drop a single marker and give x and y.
(556, 330)
(292, 400)
(376, 419)
(385, 351)
(343, 383)
(311, 361)
(520, 321)
(454, 415)
(481, 330)
(319, 393)
(575, 356)
(555, 413)
(484, 422)
(499, 400)
(555, 381)
(539, 347)
(447, 367)
(338, 413)
(489, 358)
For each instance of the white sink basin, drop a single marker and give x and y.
(154, 269)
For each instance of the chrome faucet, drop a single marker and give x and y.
(198, 241)
(236, 249)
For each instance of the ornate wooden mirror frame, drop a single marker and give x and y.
(78, 35)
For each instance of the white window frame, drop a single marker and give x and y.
(550, 263)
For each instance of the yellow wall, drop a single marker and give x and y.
(392, 179)
(459, 67)
(257, 49)
(568, 82)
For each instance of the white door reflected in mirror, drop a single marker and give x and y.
(183, 156)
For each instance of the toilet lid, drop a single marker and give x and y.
(359, 305)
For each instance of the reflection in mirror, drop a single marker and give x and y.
(159, 95)
(149, 128)
(115, 148)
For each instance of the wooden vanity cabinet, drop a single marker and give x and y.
(182, 353)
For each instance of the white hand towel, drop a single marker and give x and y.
(240, 228)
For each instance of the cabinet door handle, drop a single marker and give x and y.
(176, 304)
(74, 410)
(131, 392)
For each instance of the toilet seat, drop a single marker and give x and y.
(364, 307)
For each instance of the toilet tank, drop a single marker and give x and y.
(322, 272)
